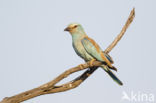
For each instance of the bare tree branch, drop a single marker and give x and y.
(51, 86)
(113, 44)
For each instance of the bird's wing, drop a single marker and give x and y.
(94, 50)
(109, 57)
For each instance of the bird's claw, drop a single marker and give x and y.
(81, 66)
(91, 62)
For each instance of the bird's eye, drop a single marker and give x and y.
(75, 26)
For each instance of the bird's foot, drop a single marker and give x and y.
(91, 62)
(81, 66)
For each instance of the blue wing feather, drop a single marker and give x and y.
(108, 57)
(92, 50)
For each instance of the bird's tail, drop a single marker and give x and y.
(110, 73)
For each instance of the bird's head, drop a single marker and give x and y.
(74, 28)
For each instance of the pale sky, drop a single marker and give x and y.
(34, 49)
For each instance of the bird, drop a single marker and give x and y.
(89, 50)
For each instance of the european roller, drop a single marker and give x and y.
(89, 50)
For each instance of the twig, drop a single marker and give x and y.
(113, 44)
(50, 86)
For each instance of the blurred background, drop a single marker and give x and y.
(33, 44)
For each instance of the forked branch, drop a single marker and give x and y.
(51, 86)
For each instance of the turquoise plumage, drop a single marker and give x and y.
(88, 49)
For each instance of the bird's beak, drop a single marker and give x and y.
(67, 29)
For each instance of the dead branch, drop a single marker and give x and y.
(117, 39)
(51, 86)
